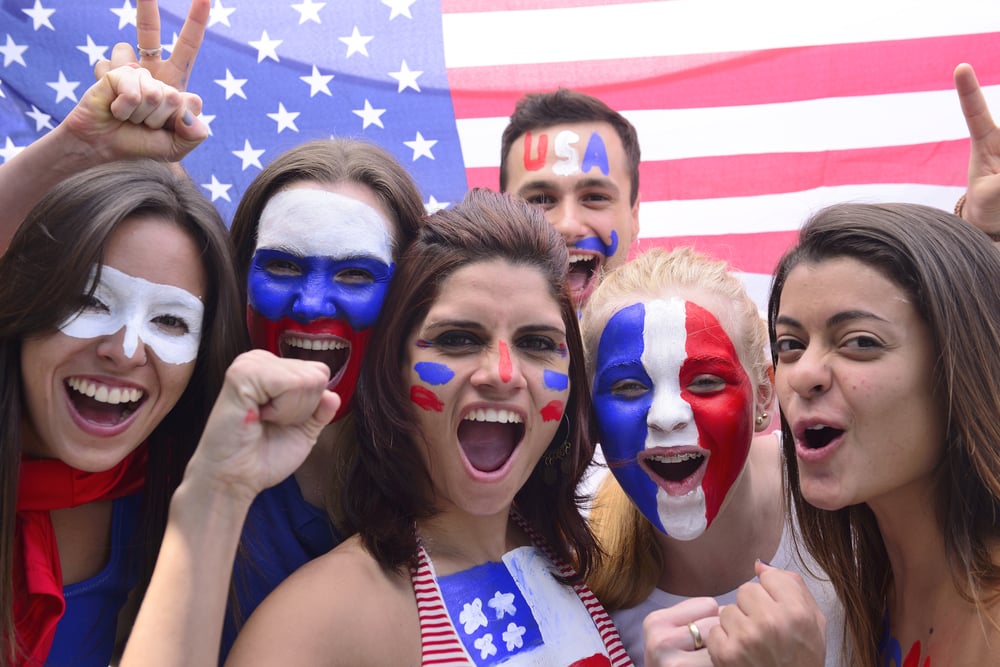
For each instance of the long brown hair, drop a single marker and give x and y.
(389, 487)
(949, 271)
(42, 276)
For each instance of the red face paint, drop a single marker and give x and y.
(506, 367)
(426, 399)
(537, 162)
(553, 411)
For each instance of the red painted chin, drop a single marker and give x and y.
(332, 342)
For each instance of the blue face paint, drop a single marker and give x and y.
(556, 381)
(594, 244)
(304, 289)
(595, 155)
(433, 373)
(622, 420)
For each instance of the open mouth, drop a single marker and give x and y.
(103, 405)
(330, 350)
(819, 436)
(676, 472)
(488, 437)
(582, 271)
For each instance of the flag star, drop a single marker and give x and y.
(249, 155)
(318, 83)
(10, 150)
(433, 205)
(207, 120)
(284, 118)
(218, 190)
(309, 11)
(266, 47)
(407, 78)
(357, 43)
(64, 89)
(169, 48)
(42, 119)
(126, 15)
(93, 51)
(40, 15)
(2, 95)
(232, 85)
(220, 14)
(421, 147)
(399, 8)
(370, 115)
(12, 53)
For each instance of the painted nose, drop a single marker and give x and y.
(500, 369)
(123, 348)
(669, 413)
(315, 300)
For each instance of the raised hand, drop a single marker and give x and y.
(982, 199)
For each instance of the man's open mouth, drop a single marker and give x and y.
(582, 271)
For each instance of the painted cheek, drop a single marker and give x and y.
(724, 421)
(426, 399)
(504, 366)
(555, 380)
(433, 373)
(553, 411)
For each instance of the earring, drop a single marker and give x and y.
(760, 418)
(557, 454)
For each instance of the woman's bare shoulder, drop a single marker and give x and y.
(335, 610)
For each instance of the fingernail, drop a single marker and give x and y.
(187, 118)
(764, 562)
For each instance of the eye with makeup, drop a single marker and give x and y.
(706, 384)
(629, 388)
(173, 325)
(282, 267)
(355, 276)
(456, 342)
(91, 304)
(537, 343)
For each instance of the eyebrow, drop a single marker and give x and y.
(473, 324)
(835, 319)
(297, 252)
(549, 184)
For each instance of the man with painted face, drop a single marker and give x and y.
(694, 512)
(578, 160)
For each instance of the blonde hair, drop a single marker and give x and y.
(634, 563)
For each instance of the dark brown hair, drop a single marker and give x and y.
(327, 161)
(42, 277)
(950, 272)
(389, 488)
(540, 110)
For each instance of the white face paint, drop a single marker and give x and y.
(319, 223)
(564, 148)
(164, 317)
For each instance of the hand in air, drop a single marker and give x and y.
(982, 199)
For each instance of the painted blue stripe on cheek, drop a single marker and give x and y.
(433, 373)
(556, 381)
(594, 244)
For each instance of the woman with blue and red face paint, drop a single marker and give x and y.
(472, 432)
(677, 356)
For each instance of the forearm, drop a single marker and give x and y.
(180, 620)
(25, 178)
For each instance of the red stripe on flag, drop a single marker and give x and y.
(752, 253)
(727, 79)
(941, 163)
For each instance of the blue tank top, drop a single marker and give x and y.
(282, 533)
(85, 635)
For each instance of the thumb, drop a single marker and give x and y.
(759, 567)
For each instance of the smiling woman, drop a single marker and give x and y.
(118, 317)
(472, 423)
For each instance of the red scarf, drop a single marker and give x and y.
(49, 484)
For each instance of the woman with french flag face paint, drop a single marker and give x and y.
(318, 277)
(675, 409)
(676, 354)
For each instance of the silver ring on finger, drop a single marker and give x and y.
(149, 53)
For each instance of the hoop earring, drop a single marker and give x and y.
(558, 454)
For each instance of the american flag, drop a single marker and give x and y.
(750, 115)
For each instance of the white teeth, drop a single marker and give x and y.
(315, 344)
(104, 394)
(491, 415)
(580, 258)
(674, 458)
(817, 427)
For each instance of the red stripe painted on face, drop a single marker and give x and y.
(426, 399)
(506, 367)
(553, 411)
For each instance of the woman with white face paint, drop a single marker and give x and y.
(118, 317)
(676, 354)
